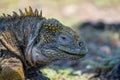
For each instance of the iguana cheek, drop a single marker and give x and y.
(38, 57)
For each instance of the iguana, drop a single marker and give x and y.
(36, 42)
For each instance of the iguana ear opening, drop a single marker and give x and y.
(32, 41)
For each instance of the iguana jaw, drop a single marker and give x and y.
(78, 51)
(56, 53)
(82, 55)
(48, 55)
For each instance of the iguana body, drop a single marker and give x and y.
(37, 41)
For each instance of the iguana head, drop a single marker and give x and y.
(56, 41)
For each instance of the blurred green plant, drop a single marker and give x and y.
(57, 73)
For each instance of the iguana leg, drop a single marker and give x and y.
(35, 75)
(11, 69)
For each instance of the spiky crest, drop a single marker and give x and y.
(28, 12)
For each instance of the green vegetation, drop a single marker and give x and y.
(58, 73)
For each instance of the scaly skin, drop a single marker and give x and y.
(38, 41)
(11, 66)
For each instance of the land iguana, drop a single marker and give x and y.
(36, 42)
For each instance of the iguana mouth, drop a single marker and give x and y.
(72, 53)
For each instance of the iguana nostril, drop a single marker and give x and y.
(81, 44)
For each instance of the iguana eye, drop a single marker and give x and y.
(64, 39)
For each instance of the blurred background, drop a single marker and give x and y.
(69, 11)
(96, 21)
